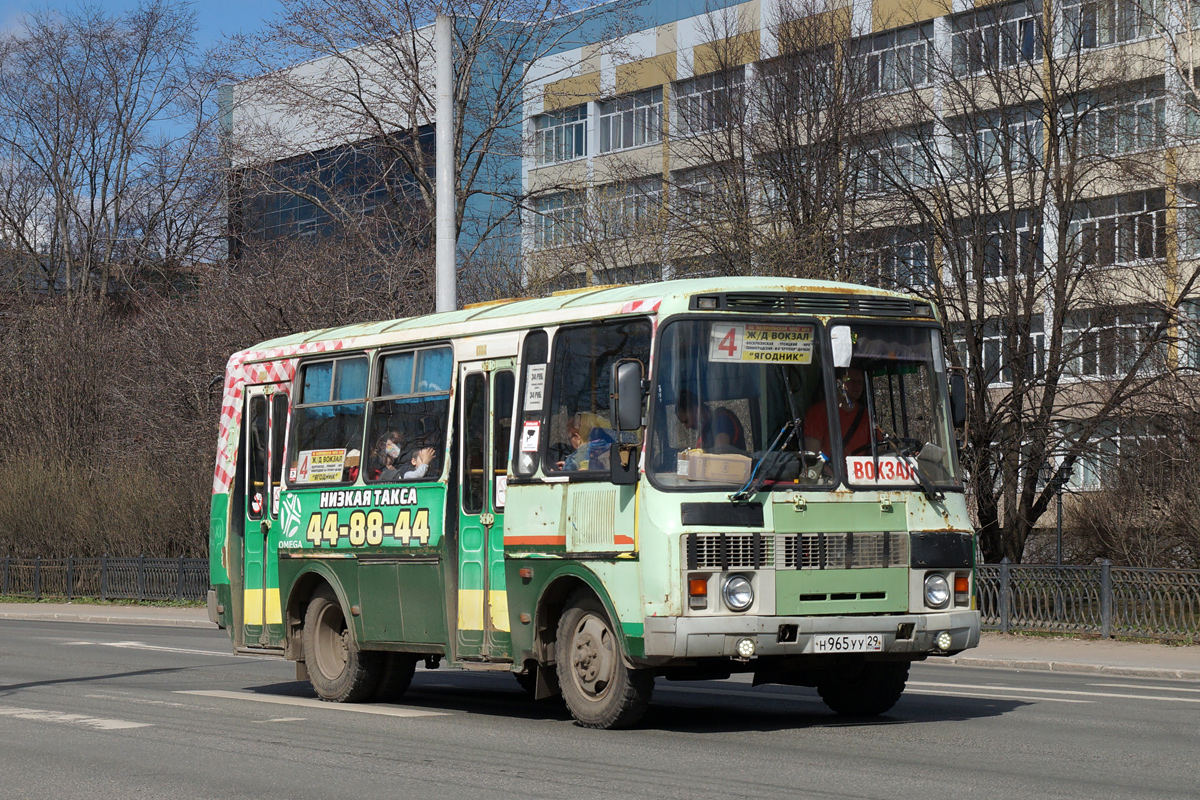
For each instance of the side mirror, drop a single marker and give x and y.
(958, 399)
(625, 402)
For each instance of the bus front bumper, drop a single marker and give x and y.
(714, 637)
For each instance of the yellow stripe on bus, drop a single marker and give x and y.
(498, 605)
(470, 609)
(252, 607)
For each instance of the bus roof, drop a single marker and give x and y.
(570, 305)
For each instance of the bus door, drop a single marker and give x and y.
(487, 389)
(265, 422)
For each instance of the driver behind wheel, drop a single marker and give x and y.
(852, 417)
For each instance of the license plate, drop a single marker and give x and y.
(848, 643)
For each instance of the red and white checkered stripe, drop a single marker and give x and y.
(641, 306)
(272, 366)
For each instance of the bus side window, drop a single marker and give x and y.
(327, 424)
(581, 437)
(502, 408)
(409, 411)
(535, 353)
(279, 416)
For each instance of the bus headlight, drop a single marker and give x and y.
(737, 593)
(937, 591)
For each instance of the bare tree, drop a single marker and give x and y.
(103, 122)
(359, 79)
(1034, 178)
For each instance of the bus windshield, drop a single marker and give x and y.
(777, 404)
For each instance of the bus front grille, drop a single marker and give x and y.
(862, 550)
(730, 550)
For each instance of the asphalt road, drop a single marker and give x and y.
(108, 711)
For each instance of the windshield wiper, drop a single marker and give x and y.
(756, 480)
(927, 488)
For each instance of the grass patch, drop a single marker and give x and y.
(95, 601)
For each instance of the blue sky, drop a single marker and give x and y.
(216, 18)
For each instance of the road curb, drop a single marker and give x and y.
(1070, 666)
(108, 619)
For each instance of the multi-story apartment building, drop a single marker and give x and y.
(1029, 165)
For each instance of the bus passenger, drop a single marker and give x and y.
(387, 464)
(718, 427)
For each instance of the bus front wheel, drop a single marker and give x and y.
(600, 690)
(338, 670)
(867, 692)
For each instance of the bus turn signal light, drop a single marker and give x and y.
(698, 592)
(962, 584)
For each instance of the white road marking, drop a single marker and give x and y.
(961, 686)
(159, 648)
(280, 719)
(125, 698)
(1152, 688)
(305, 702)
(41, 715)
(985, 696)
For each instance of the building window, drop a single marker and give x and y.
(709, 102)
(997, 38)
(1008, 246)
(997, 338)
(897, 59)
(1121, 230)
(1102, 343)
(558, 220)
(629, 206)
(1011, 139)
(631, 121)
(902, 158)
(695, 192)
(1094, 23)
(801, 82)
(1130, 119)
(898, 258)
(561, 136)
(1137, 442)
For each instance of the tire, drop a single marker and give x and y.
(867, 692)
(338, 671)
(598, 687)
(397, 675)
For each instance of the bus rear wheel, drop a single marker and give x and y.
(600, 690)
(396, 677)
(867, 692)
(338, 670)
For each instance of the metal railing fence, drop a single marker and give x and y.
(105, 578)
(1098, 599)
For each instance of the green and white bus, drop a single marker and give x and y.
(685, 479)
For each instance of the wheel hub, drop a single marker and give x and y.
(593, 657)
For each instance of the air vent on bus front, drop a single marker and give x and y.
(809, 303)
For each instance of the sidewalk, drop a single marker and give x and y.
(1146, 660)
(1061, 654)
(122, 615)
